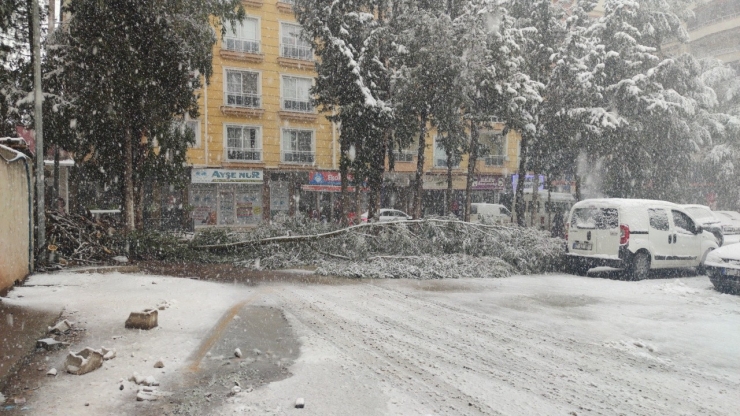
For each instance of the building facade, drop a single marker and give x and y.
(263, 150)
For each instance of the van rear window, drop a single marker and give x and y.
(595, 218)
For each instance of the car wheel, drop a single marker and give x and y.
(640, 266)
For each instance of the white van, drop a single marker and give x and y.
(489, 213)
(634, 234)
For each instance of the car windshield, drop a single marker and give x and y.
(595, 218)
(700, 213)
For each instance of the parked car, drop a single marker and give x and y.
(489, 213)
(704, 216)
(635, 235)
(723, 268)
(385, 214)
(730, 226)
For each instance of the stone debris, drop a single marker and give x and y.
(159, 364)
(60, 328)
(146, 319)
(238, 353)
(52, 372)
(50, 344)
(143, 381)
(141, 396)
(235, 390)
(108, 354)
(257, 352)
(299, 403)
(163, 305)
(84, 361)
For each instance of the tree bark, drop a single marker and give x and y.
(448, 192)
(535, 207)
(343, 173)
(472, 161)
(128, 181)
(419, 182)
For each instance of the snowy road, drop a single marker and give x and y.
(540, 345)
(524, 345)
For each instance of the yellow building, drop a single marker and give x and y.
(262, 149)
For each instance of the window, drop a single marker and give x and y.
(296, 94)
(194, 125)
(595, 218)
(683, 222)
(440, 157)
(243, 37)
(496, 145)
(292, 45)
(298, 146)
(243, 143)
(242, 88)
(658, 219)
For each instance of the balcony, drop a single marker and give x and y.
(285, 6)
(294, 56)
(239, 154)
(403, 157)
(242, 99)
(242, 50)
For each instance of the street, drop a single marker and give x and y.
(524, 345)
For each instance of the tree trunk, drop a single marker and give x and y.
(419, 183)
(578, 187)
(519, 196)
(343, 173)
(535, 207)
(472, 161)
(128, 181)
(55, 188)
(448, 192)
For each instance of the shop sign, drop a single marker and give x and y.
(489, 183)
(226, 176)
(327, 178)
(528, 182)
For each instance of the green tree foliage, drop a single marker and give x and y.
(121, 73)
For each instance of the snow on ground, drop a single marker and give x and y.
(524, 345)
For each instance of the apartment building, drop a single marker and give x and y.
(714, 32)
(262, 149)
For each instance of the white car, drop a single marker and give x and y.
(705, 217)
(489, 213)
(730, 226)
(723, 268)
(634, 234)
(386, 214)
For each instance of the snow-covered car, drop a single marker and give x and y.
(730, 226)
(386, 214)
(723, 268)
(708, 220)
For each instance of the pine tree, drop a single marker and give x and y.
(127, 69)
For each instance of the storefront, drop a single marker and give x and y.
(226, 197)
(320, 197)
(488, 188)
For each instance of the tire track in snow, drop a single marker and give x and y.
(448, 352)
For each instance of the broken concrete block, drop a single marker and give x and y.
(50, 344)
(299, 403)
(52, 372)
(144, 381)
(84, 361)
(108, 354)
(141, 396)
(60, 327)
(238, 353)
(142, 320)
(159, 364)
(120, 259)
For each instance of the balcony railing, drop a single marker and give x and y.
(298, 105)
(403, 156)
(442, 163)
(495, 160)
(242, 45)
(702, 21)
(241, 154)
(242, 100)
(297, 156)
(304, 53)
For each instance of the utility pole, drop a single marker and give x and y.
(39, 131)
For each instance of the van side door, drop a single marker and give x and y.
(686, 242)
(661, 238)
